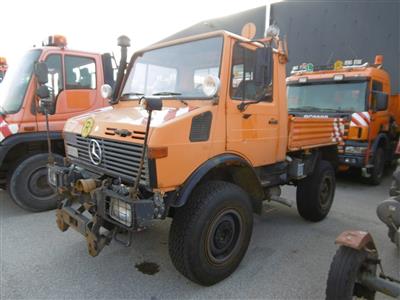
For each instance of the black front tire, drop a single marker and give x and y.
(28, 185)
(210, 234)
(342, 283)
(379, 167)
(315, 193)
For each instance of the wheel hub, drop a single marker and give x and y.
(38, 185)
(223, 236)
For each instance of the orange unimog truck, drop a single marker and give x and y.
(358, 94)
(3, 68)
(74, 80)
(199, 132)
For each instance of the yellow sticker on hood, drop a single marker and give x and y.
(87, 127)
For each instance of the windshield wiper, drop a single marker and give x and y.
(132, 94)
(166, 94)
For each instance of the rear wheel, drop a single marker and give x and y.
(210, 234)
(28, 185)
(315, 193)
(379, 166)
(343, 278)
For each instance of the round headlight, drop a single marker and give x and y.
(211, 85)
(106, 91)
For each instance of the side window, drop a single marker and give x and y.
(55, 77)
(379, 99)
(243, 85)
(80, 73)
(377, 86)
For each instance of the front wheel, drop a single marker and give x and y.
(210, 234)
(379, 166)
(28, 185)
(343, 278)
(315, 193)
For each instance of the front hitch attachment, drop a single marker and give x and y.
(90, 229)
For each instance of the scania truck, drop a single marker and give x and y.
(359, 94)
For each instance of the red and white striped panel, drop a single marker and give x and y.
(338, 130)
(360, 119)
(7, 129)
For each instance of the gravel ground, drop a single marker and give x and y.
(288, 258)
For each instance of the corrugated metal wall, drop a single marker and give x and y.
(322, 32)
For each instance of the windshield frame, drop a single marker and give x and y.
(17, 109)
(330, 81)
(140, 53)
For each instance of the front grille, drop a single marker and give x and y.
(119, 159)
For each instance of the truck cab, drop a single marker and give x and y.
(74, 81)
(358, 94)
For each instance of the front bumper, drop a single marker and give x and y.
(352, 160)
(103, 213)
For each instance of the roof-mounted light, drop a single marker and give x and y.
(56, 40)
(348, 62)
(338, 77)
(303, 79)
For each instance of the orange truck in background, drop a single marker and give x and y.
(358, 94)
(74, 81)
(199, 132)
(3, 68)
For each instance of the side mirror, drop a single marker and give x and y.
(43, 92)
(46, 103)
(41, 72)
(263, 66)
(151, 104)
(379, 101)
(106, 91)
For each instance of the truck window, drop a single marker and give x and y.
(178, 68)
(243, 86)
(156, 78)
(377, 92)
(80, 73)
(377, 86)
(55, 77)
(200, 74)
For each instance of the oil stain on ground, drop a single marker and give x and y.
(148, 268)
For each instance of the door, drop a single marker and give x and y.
(73, 84)
(252, 130)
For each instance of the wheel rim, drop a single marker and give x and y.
(38, 185)
(325, 193)
(223, 237)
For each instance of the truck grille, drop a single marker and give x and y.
(119, 159)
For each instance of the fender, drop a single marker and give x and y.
(181, 196)
(356, 239)
(19, 138)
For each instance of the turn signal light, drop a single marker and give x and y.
(157, 152)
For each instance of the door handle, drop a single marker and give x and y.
(273, 121)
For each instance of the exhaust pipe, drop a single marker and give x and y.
(124, 42)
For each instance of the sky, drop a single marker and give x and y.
(91, 25)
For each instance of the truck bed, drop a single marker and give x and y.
(308, 133)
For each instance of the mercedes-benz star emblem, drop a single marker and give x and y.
(95, 153)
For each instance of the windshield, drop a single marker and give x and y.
(177, 70)
(338, 97)
(14, 85)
